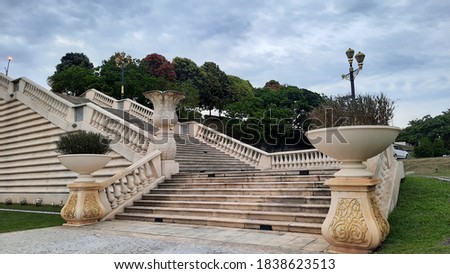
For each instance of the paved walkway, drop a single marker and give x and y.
(129, 237)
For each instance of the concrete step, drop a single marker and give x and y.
(288, 199)
(253, 191)
(237, 184)
(312, 228)
(239, 178)
(280, 207)
(227, 213)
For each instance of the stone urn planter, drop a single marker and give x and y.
(353, 145)
(84, 164)
(354, 223)
(165, 118)
(84, 153)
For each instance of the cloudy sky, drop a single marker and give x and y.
(296, 42)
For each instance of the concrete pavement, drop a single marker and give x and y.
(130, 237)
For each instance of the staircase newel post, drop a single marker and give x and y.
(164, 119)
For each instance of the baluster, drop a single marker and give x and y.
(124, 187)
(130, 139)
(136, 142)
(142, 177)
(118, 191)
(137, 180)
(110, 196)
(148, 171)
(94, 121)
(130, 184)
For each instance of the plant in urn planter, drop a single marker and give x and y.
(352, 131)
(84, 153)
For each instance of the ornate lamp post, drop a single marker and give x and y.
(122, 61)
(7, 67)
(352, 73)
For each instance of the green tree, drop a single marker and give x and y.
(215, 91)
(136, 80)
(74, 74)
(187, 71)
(74, 80)
(269, 117)
(436, 129)
(74, 59)
(239, 88)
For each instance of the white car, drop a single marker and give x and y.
(400, 153)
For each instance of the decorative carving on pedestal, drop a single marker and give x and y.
(91, 208)
(383, 224)
(348, 223)
(83, 206)
(354, 223)
(68, 212)
(165, 118)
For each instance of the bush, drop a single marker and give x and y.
(429, 148)
(344, 111)
(82, 142)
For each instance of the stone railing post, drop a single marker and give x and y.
(165, 118)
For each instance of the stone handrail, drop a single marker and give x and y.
(138, 110)
(310, 158)
(390, 172)
(118, 130)
(48, 100)
(5, 83)
(100, 99)
(128, 185)
(134, 108)
(231, 146)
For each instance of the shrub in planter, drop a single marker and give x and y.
(344, 111)
(83, 142)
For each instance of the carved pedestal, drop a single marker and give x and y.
(83, 206)
(354, 223)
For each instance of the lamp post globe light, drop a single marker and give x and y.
(353, 73)
(122, 61)
(7, 67)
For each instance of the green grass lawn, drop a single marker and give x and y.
(420, 224)
(16, 221)
(438, 166)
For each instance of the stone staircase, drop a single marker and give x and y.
(280, 201)
(216, 189)
(197, 157)
(29, 167)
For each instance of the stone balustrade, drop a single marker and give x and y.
(49, 101)
(138, 110)
(134, 108)
(128, 185)
(389, 172)
(310, 158)
(118, 130)
(100, 99)
(4, 82)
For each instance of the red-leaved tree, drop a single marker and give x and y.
(157, 65)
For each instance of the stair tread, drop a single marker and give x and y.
(249, 212)
(218, 219)
(239, 203)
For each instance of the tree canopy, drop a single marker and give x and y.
(429, 135)
(269, 116)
